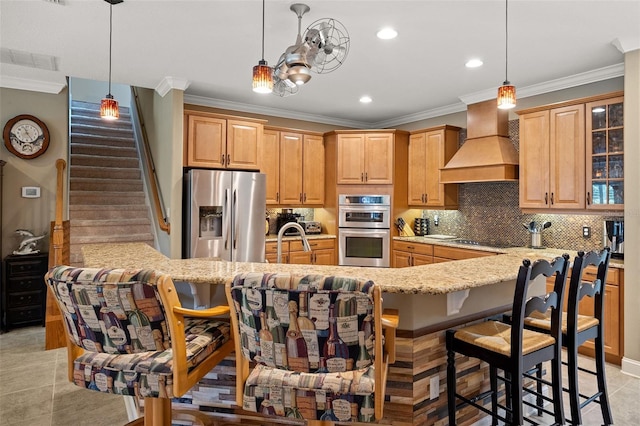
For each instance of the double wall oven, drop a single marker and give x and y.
(364, 232)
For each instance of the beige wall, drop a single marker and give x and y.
(631, 360)
(24, 213)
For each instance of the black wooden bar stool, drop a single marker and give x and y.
(577, 329)
(512, 348)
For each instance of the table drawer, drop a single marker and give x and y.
(28, 283)
(25, 267)
(26, 314)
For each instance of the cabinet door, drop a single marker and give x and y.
(350, 159)
(313, 170)
(290, 168)
(605, 154)
(421, 259)
(400, 259)
(324, 257)
(611, 319)
(300, 257)
(270, 164)
(434, 190)
(243, 144)
(534, 160)
(206, 138)
(378, 159)
(417, 169)
(566, 153)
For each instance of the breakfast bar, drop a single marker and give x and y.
(430, 298)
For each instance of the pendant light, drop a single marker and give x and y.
(109, 106)
(262, 73)
(506, 92)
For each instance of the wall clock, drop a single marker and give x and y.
(26, 136)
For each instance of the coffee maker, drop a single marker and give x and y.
(614, 237)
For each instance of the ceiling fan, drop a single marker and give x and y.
(322, 48)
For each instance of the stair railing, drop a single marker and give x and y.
(150, 168)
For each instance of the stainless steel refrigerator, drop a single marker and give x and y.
(224, 215)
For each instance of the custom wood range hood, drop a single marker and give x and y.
(487, 155)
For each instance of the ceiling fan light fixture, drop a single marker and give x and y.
(299, 74)
(506, 92)
(109, 106)
(262, 77)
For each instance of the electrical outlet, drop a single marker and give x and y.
(586, 232)
(434, 387)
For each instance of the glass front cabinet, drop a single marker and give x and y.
(605, 154)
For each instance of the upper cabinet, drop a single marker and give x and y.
(219, 142)
(429, 151)
(365, 158)
(571, 155)
(605, 154)
(294, 164)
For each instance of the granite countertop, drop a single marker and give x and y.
(438, 278)
(272, 238)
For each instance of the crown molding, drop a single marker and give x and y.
(169, 83)
(587, 77)
(31, 85)
(422, 115)
(626, 45)
(275, 112)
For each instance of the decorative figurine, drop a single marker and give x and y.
(28, 243)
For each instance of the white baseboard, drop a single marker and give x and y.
(631, 367)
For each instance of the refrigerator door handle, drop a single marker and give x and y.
(227, 225)
(235, 218)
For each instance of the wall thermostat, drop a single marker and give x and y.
(30, 192)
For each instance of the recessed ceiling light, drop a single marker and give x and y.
(366, 99)
(387, 33)
(473, 63)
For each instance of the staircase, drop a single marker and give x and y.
(106, 196)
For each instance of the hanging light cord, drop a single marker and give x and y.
(506, 38)
(263, 29)
(110, 37)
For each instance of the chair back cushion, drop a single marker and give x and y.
(117, 311)
(312, 338)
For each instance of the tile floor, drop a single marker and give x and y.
(34, 390)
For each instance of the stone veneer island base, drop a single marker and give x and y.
(430, 298)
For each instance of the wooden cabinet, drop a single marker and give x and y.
(24, 290)
(447, 254)
(613, 313)
(218, 142)
(411, 254)
(323, 252)
(605, 154)
(365, 158)
(551, 158)
(294, 165)
(429, 151)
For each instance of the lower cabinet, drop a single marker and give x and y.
(411, 254)
(323, 252)
(447, 254)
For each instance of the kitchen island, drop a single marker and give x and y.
(430, 298)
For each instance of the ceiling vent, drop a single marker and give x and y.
(488, 154)
(27, 59)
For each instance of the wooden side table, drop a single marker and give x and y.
(24, 291)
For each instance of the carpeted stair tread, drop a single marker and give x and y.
(99, 172)
(107, 197)
(113, 141)
(105, 184)
(91, 160)
(94, 239)
(104, 150)
(108, 212)
(111, 222)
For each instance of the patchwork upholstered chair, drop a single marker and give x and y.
(321, 346)
(128, 334)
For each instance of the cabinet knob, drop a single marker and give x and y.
(222, 159)
(304, 197)
(546, 198)
(552, 198)
(366, 176)
(588, 198)
(361, 177)
(228, 159)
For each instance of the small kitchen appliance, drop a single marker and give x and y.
(284, 217)
(614, 237)
(311, 227)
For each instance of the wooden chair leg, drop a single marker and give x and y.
(508, 402)
(607, 418)
(493, 379)
(556, 380)
(516, 398)
(574, 394)
(451, 386)
(157, 411)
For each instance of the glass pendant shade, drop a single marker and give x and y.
(109, 108)
(506, 96)
(262, 78)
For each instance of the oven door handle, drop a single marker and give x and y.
(364, 232)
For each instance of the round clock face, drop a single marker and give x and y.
(26, 136)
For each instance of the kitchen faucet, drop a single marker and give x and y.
(305, 243)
